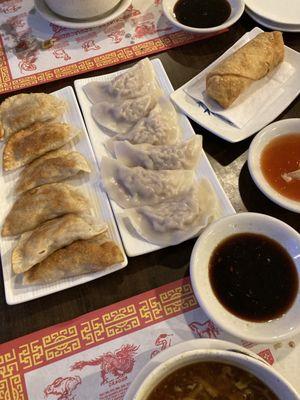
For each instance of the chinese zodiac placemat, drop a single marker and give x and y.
(97, 355)
(33, 51)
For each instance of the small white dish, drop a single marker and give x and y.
(222, 128)
(133, 243)
(264, 373)
(257, 332)
(282, 12)
(272, 25)
(237, 9)
(189, 345)
(56, 19)
(257, 146)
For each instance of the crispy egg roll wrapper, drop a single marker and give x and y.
(250, 63)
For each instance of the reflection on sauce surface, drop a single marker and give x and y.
(202, 13)
(253, 277)
(280, 156)
(211, 381)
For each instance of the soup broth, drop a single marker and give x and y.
(211, 381)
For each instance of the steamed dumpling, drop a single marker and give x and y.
(176, 220)
(179, 156)
(28, 144)
(41, 204)
(35, 246)
(121, 116)
(52, 168)
(22, 110)
(132, 187)
(160, 127)
(135, 82)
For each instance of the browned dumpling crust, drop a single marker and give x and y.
(52, 169)
(80, 257)
(41, 204)
(28, 144)
(250, 63)
(22, 110)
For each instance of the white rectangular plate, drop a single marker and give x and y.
(223, 129)
(15, 292)
(135, 245)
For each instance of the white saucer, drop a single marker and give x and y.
(271, 24)
(50, 16)
(282, 12)
(180, 348)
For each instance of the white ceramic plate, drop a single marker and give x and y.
(135, 245)
(237, 9)
(272, 25)
(257, 146)
(256, 332)
(56, 19)
(14, 291)
(196, 344)
(223, 129)
(283, 12)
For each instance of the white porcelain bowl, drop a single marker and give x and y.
(261, 140)
(265, 373)
(237, 9)
(259, 332)
(82, 9)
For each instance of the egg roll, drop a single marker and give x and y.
(248, 64)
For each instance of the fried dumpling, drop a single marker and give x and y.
(31, 143)
(160, 127)
(173, 221)
(33, 247)
(49, 169)
(80, 257)
(132, 187)
(121, 116)
(135, 82)
(41, 204)
(179, 156)
(22, 110)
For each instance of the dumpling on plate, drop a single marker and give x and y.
(50, 168)
(160, 127)
(121, 116)
(173, 221)
(28, 144)
(184, 155)
(133, 187)
(80, 257)
(33, 247)
(41, 204)
(22, 110)
(135, 82)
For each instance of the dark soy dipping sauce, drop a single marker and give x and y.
(253, 277)
(202, 13)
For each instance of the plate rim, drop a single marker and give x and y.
(266, 16)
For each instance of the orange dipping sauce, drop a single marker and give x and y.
(282, 155)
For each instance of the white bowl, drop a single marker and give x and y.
(81, 9)
(237, 9)
(261, 140)
(259, 332)
(265, 373)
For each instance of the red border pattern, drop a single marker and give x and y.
(59, 341)
(8, 84)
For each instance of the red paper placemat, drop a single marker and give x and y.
(97, 355)
(140, 31)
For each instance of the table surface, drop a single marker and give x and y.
(152, 270)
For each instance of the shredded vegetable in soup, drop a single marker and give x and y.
(211, 381)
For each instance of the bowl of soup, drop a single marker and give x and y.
(203, 16)
(213, 375)
(274, 162)
(245, 275)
